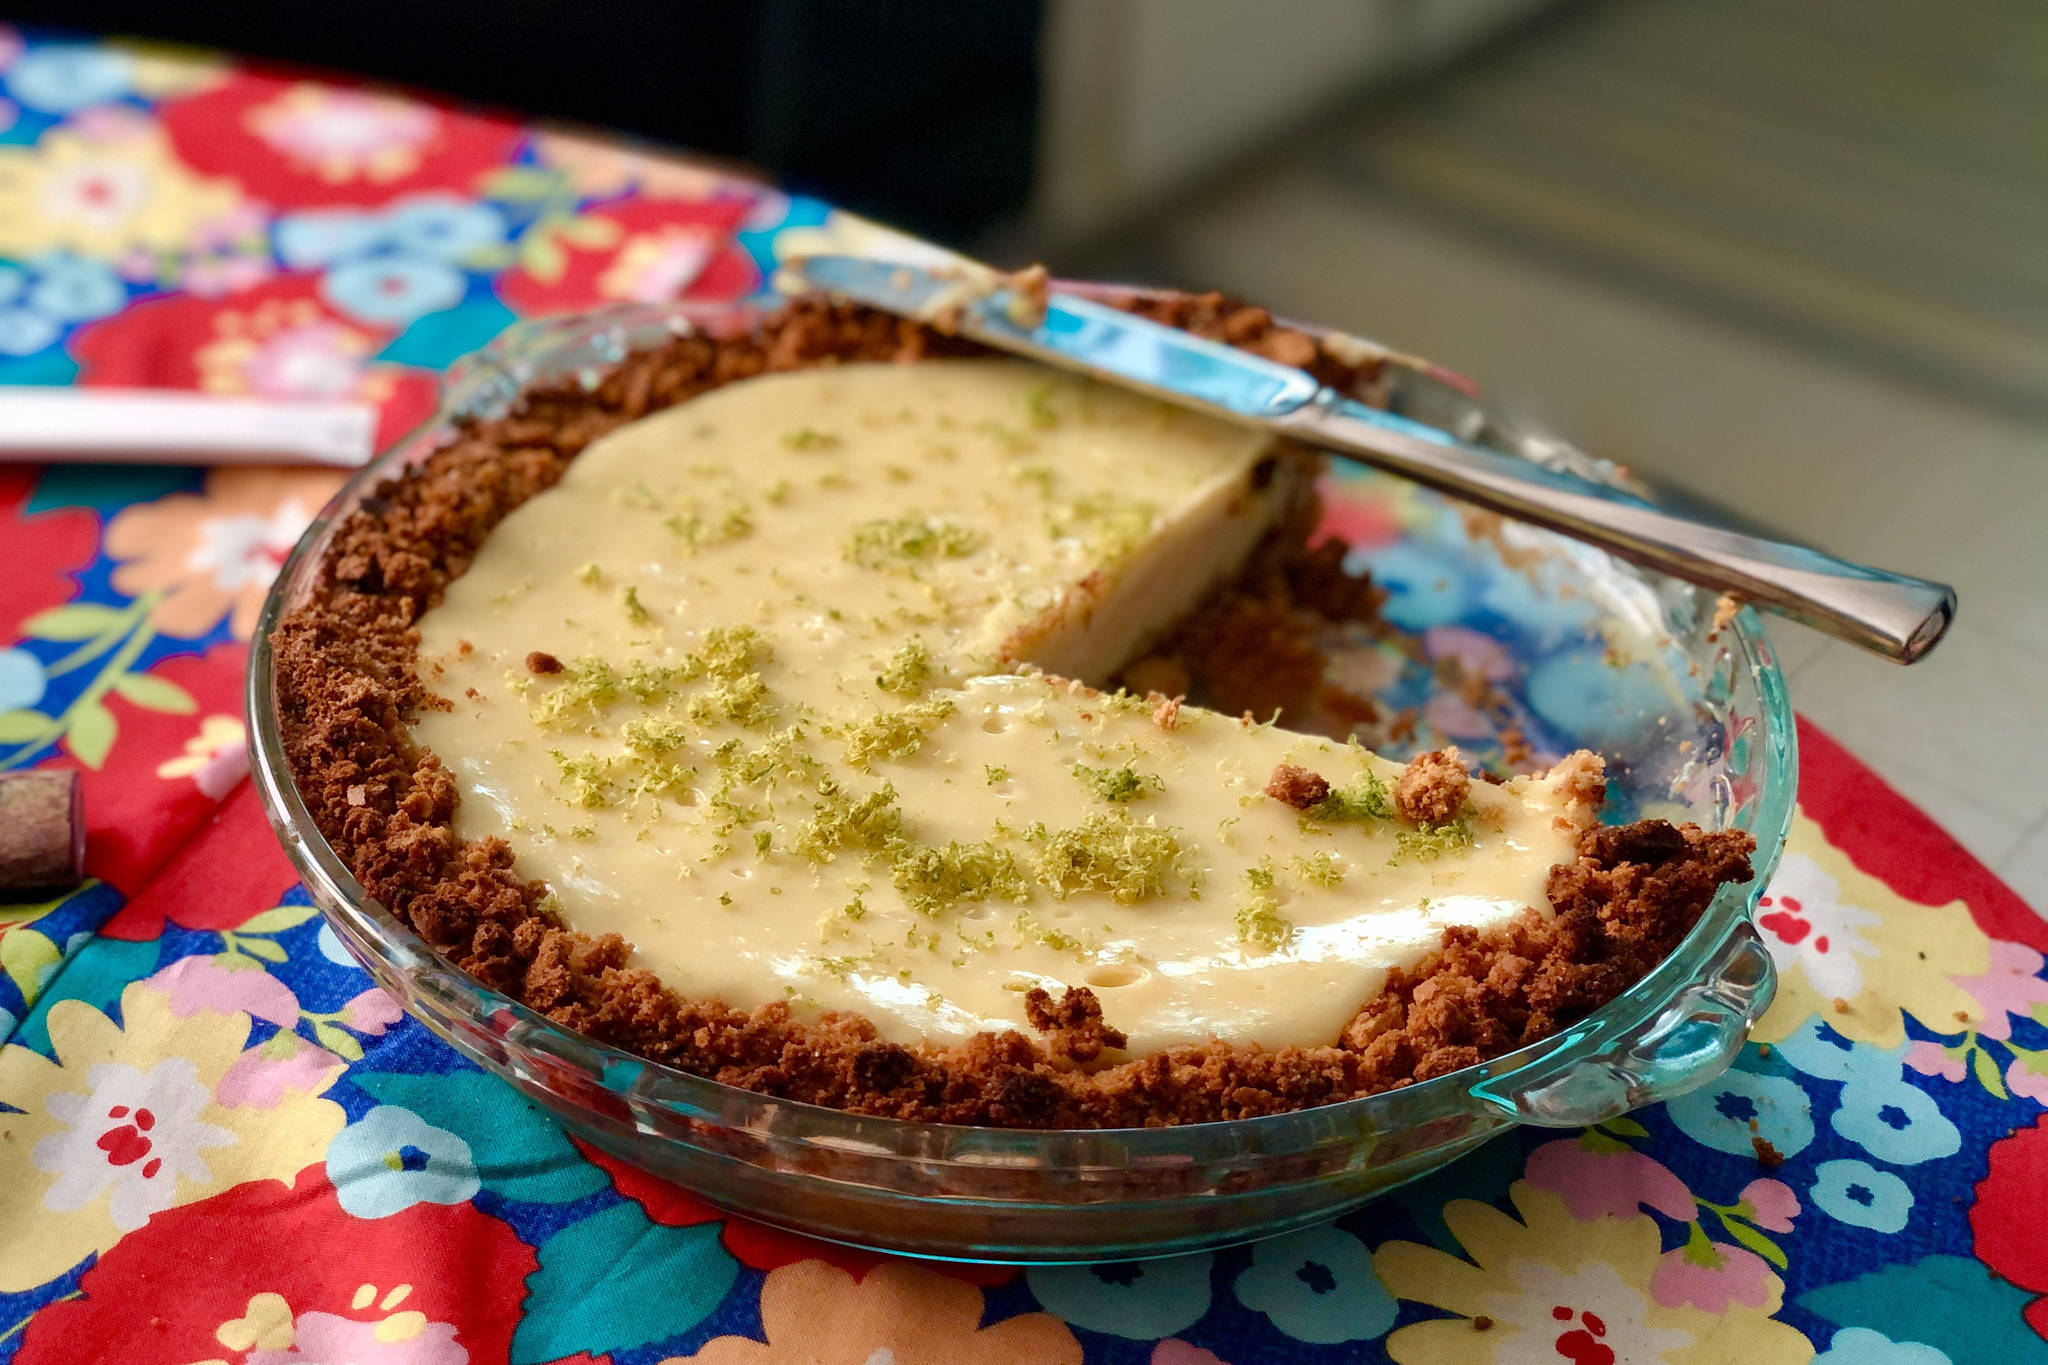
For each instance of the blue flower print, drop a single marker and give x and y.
(39, 298)
(1895, 1122)
(1719, 1113)
(1588, 698)
(435, 227)
(443, 227)
(321, 237)
(72, 289)
(393, 290)
(21, 681)
(1423, 589)
(390, 1159)
(24, 333)
(59, 77)
(1317, 1285)
(331, 949)
(1858, 1193)
(1861, 1346)
(1820, 1052)
(1143, 1300)
(1879, 1111)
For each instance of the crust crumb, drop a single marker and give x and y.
(1726, 607)
(1166, 715)
(1433, 788)
(1482, 1323)
(1030, 294)
(1297, 787)
(1767, 1156)
(1582, 777)
(538, 662)
(1074, 1027)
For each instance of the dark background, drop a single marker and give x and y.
(921, 114)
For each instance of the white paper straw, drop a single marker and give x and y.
(151, 426)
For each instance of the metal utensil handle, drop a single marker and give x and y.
(1891, 614)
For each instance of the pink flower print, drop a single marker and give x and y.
(284, 1064)
(659, 265)
(1451, 716)
(212, 277)
(1174, 1351)
(1597, 1182)
(401, 1339)
(2022, 1079)
(1711, 1276)
(372, 1012)
(1932, 1059)
(112, 123)
(1772, 1204)
(2013, 985)
(1481, 654)
(209, 983)
(238, 225)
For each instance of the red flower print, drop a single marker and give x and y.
(2011, 1209)
(277, 340)
(1354, 517)
(135, 819)
(1886, 836)
(269, 1275)
(756, 1244)
(657, 249)
(1580, 1342)
(43, 550)
(298, 144)
(221, 876)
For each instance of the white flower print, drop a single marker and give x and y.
(135, 1132)
(100, 195)
(1588, 1313)
(247, 550)
(1804, 921)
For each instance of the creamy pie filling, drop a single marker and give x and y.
(764, 686)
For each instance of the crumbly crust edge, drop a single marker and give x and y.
(348, 689)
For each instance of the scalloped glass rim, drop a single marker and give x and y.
(443, 997)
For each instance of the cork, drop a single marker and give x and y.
(42, 832)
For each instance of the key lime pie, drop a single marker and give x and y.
(751, 709)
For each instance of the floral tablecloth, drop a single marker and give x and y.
(219, 1143)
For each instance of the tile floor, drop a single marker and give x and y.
(1854, 458)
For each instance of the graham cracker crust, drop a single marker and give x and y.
(348, 687)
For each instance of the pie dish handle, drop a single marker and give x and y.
(1678, 1047)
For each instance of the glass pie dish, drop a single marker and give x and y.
(1578, 649)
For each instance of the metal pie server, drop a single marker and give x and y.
(1890, 614)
